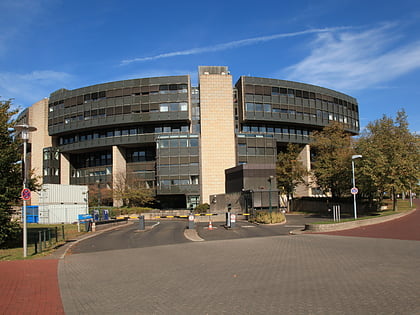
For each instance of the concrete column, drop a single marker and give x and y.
(119, 170)
(64, 169)
(217, 142)
(305, 158)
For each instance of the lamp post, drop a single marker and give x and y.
(24, 132)
(354, 190)
(270, 179)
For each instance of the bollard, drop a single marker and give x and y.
(228, 220)
(40, 241)
(141, 222)
(191, 221)
(232, 220)
(45, 239)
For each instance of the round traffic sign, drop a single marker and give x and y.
(354, 191)
(26, 194)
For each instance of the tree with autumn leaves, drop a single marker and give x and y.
(390, 161)
(391, 158)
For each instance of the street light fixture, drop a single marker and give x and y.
(24, 133)
(354, 190)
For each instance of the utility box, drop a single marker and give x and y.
(62, 203)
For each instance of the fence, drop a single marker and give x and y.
(45, 238)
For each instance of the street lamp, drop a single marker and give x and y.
(354, 190)
(24, 133)
(270, 179)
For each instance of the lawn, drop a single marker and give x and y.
(49, 238)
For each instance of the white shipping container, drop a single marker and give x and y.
(57, 213)
(63, 194)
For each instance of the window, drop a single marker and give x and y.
(183, 107)
(249, 107)
(193, 142)
(163, 107)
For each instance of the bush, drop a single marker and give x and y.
(268, 217)
(202, 208)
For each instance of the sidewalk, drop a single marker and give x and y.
(31, 286)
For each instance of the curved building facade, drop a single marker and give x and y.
(179, 139)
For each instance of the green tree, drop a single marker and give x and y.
(10, 173)
(132, 191)
(290, 172)
(391, 157)
(333, 148)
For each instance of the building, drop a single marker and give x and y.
(176, 138)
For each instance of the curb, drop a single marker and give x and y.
(192, 235)
(319, 228)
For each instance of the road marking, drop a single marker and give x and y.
(248, 226)
(156, 224)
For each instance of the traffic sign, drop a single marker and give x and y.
(354, 191)
(26, 194)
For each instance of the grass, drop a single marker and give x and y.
(402, 206)
(16, 253)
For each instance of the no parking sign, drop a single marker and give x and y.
(26, 194)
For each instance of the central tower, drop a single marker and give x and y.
(217, 140)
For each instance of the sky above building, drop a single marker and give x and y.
(368, 49)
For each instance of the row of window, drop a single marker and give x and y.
(117, 132)
(89, 173)
(272, 90)
(51, 155)
(276, 130)
(177, 143)
(130, 91)
(193, 180)
(293, 110)
(243, 150)
(320, 114)
(120, 110)
(140, 155)
(51, 171)
(91, 159)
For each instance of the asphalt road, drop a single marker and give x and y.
(128, 236)
(167, 232)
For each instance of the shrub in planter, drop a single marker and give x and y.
(202, 208)
(269, 217)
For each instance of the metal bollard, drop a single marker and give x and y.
(228, 220)
(191, 221)
(232, 220)
(141, 222)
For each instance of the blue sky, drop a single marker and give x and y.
(368, 49)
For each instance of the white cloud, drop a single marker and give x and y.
(350, 61)
(229, 45)
(29, 88)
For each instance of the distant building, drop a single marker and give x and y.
(176, 138)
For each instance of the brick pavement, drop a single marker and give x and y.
(30, 287)
(404, 228)
(302, 274)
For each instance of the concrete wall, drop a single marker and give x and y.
(217, 142)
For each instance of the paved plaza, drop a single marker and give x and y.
(376, 271)
(302, 274)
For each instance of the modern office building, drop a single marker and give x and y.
(179, 139)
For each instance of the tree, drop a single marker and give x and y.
(10, 173)
(333, 148)
(290, 171)
(391, 157)
(132, 191)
